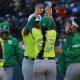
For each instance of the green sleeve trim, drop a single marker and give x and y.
(30, 24)
(72, 53)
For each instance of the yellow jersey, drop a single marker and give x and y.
(49, 43)
(29, 44)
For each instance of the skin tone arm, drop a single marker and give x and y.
(48, 12)
(38, 10)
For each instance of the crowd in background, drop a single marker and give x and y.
(17, 11)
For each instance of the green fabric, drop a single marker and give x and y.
(71, 51)
(73, 48)
(53, 24)
(4, 24)
(12, 52)
(45, 21)
(61, 64)
(5, 30)
(30, 24)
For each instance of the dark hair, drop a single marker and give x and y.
(77, 21)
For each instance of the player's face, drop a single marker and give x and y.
(4, 35)
(73, 29)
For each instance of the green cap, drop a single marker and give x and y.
(4, 27)
(45, 22)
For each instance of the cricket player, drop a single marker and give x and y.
(44, 39)
(11, 51)
(29, 55)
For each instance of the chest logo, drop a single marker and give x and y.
(9, 42)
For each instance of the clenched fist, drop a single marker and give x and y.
(48, 11)
(58, 50)
(38, 9)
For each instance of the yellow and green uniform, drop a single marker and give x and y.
(45, 56)
(29, 44)
(38, 40)
(44, 39)
(10, 47)
(29, 55)
(49, 43)
(11, 52)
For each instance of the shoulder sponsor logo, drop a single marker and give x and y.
(49, 35)
(76, 46)
(9, 42)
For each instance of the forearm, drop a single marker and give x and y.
(30, 24)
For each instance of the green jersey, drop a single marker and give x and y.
(11, 52)
(71, 52)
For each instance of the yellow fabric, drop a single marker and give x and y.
(1, 61)
(1, 40)
(49, 45)
(50, 42)
(38, 39)
(29, 44)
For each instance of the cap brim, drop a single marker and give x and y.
(6, 30)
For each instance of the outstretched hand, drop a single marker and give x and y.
(38, 9)
(48, 12)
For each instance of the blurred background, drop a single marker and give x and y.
(17, 12)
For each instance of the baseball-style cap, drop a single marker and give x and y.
(4, 27)
(45, 22)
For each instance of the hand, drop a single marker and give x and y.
(58, 50)
(67, 26)
(38, 9)
(48, 12)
